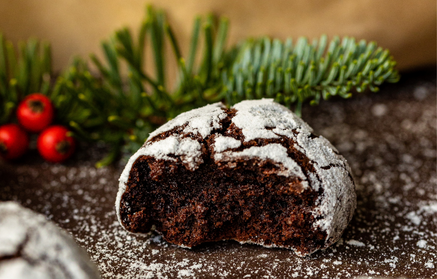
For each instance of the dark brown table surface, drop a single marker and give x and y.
(389, 139)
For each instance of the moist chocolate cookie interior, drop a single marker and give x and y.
(248, 202)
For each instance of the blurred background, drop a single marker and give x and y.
(76, 27)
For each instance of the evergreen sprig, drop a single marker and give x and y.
(293, 74)
(122, 110)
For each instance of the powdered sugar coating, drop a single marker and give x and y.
(265, 119)
(273, 151)
(188, 149)
(222, 143)
(32, 247)
(336, 181)
(254, 117)
(199, 121)
(336, 206)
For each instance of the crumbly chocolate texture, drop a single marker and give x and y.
(32, 247)
(254, 173)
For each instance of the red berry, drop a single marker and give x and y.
(55, 145)
(14, 141)
(35, 112)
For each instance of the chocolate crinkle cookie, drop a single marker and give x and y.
(32, 247)
(254, 173)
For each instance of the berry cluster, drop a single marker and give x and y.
(35, 114)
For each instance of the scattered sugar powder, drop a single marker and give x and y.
(379, 110)
(421, 243)
(429, 265)
(185, 272)
(355, 243)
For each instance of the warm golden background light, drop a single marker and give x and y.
(76, 27)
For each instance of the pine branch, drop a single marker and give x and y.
(122, 110)
(293, 74)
